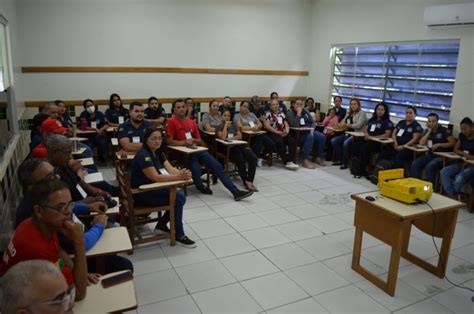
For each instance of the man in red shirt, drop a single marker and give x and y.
(50, 125)
(36, 238)
(182, 131)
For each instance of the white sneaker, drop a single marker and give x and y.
(259, 162)
(291, 165)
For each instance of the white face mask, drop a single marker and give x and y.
(90, 109)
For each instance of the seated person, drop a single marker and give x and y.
(261, 144)
(227, 105)
(212, 119)
(35, 286)
(94, 120)
(379, 126)
(454, 176)
(298, 117)
(155, 112)
(63, 115)
(242, 156)
(116, 113)
(46, 111)
(438, 139)
(340, 111)
(257, 107)
(281, 105)
(130, 134)
(191, 112)
(309, 104)
(355, 120)
(151, 165)
(279, 132)
(182, 131)
(36, 237)
(329, 122)
(407, 132)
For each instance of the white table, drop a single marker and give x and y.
(94, 177)
(113, 241)
(112, 210)
(86, 161)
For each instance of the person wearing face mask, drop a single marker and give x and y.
(116, 114)
(438, 139)
(130, 134)
(93, 120)
(155, 112)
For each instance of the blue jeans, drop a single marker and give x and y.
(194, 164)
(453, 177)
(161, 198)
(308, 139)
(340, 145)
(431, 163)
(99, 141)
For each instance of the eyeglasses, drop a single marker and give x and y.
(66, 302)
(63, 209)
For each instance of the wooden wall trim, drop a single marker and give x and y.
(105, 102)
(100, 69)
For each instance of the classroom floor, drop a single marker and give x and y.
(288, 248)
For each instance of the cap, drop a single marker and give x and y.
(52, 125)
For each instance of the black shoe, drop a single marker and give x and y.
(159, 229)
(343, 166)
(337, 163)
(254, 189)
(186, 242)
(240, 195)
(205, 190)
(214, 180)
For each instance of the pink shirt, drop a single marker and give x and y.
(329, 122)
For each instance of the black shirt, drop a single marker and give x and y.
(99, 119)
(376, 127)
(340, 113)
(154, 114)
(440, 136)
(406, 131)
(128, 130)
(113, 115)
(144, 159)
(72, 180)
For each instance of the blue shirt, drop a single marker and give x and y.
(113, 115)
(466, 144)
(99, 118)
(144, 159)
(409, 130)
(154, 114)
(376, 127)
(440, 136)
(128, 130)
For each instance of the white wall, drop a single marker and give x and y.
(241, 34)
(373, 21)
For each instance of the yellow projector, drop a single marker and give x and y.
(407, 190)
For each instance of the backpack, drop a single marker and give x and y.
(383, 164)
(356, 167)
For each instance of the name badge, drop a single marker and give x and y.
(372, 128)
(465, 152)
(430, 143)
(280, 120)
(81, 190)
(230, 135)
(136, 140)
(121, 120)
(400, 132)
(163, 171)
(302, 121)
(252, 124)
(94, 124)
(188, 135)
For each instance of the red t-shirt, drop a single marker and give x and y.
(27, 244)
(39, 151)
(176, 129)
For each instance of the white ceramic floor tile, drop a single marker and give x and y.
(316, 278)
(278, 216)
(296, 187)
(288, 200)
(274, 290)
(261, 205)
(249, 265)
(346, 238)
(323, 247)
(228, 299)
(183, 304)
(298, 230)
(349, 299)
(306, 211)
(272, 190)
(342, 266)
(457, 300)
(308, 305)
(150, 288)
(312, 197)
(180, 256)
(425, 307)
(149, 261)
(265, 237)
(211, 228)
(329, 224)
(230, 244)
(380, 256)
(196, 214)
(246, 222)
(230, 209)
(465, 252)
(205, 275)
(287, 256)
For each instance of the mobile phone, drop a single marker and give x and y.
(384, 139)
(117, 279)
(191, 146)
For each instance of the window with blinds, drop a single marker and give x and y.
(402, 74)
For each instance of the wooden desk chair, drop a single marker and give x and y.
(299, 146)
(246, 136)
(223, 153)
(140, 215)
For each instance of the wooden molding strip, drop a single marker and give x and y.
(87, 69)
(105, 102)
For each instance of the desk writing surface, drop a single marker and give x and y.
(469, 161)
(113, 210)
(188, 151)
(156, 185)
(420, 148)
(86, 161)
(94, 177)
(355, 134)
(381, 140)
(117, 298)
(79, 139)
(437, 201)
(79, 151)
(127, 156)
(113, 240)
(86, 132)
(254, 132)
(111, 129)
(449, 155)
(232, 142)
(302, 129)
(209, 133)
